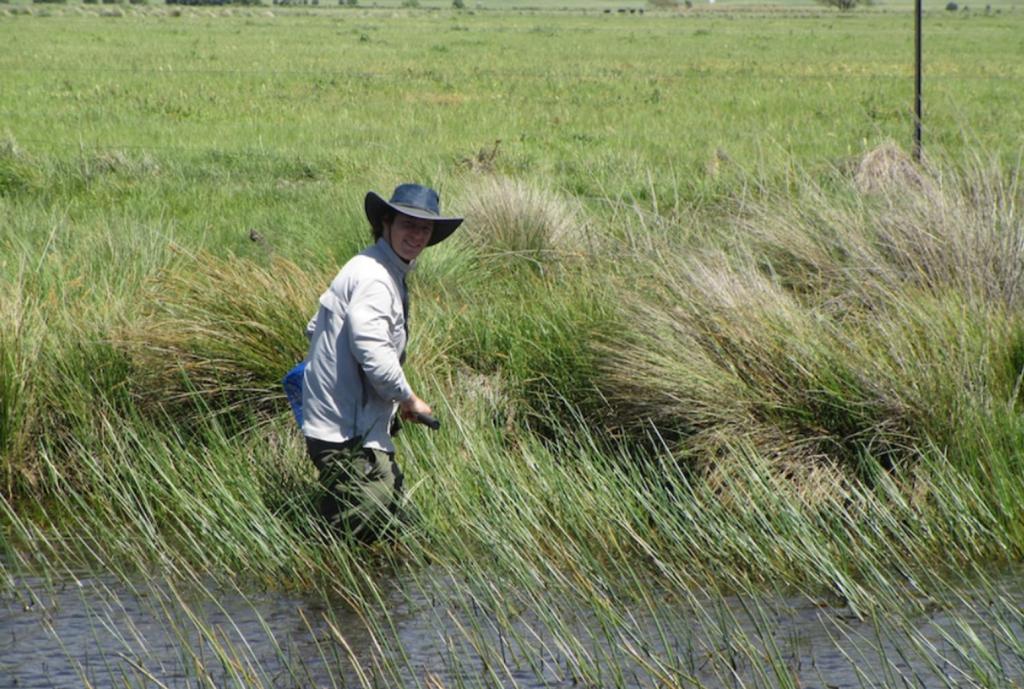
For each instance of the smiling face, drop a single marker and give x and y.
(408, 236)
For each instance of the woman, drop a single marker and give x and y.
(354, 383)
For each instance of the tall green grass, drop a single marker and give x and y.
(818, 344)
(545, 561)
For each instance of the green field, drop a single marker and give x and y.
(281, 118)
(708, 328)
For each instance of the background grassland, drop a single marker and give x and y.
(678, 278)
(574, 99)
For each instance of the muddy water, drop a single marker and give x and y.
(100, 632)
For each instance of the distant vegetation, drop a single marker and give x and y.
(840, 4)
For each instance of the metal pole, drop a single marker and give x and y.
(917, 80)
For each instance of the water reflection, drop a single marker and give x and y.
(101, 632)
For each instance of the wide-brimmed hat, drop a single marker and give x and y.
(416, 201)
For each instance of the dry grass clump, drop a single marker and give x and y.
(832, 329)
(960, 231)
(119, 162)
(475, 395)
(887, 167)
(748, 481)
(219, 333)
(510, 218)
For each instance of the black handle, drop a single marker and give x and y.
(428, 421)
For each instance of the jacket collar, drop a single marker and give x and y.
(392, 260)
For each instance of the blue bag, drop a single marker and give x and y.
(292, 383)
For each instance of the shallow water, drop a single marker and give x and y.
(100, 632)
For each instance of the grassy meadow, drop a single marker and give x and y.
(708, 330)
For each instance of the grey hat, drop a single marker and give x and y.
(416, 201)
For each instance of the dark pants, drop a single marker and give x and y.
(362, 488)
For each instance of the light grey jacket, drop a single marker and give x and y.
(354, 378)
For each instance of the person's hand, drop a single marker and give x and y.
(411, 407)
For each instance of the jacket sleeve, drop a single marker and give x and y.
(311, 326)
(370, 326)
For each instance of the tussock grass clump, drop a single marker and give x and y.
(533, 338)
(218, 334)
(955, 230)
(887, 167)
(56, 368)
(116, 162)
(509, 218)
(19, 172)
(721, 353)
(834, 327)
(477, 317)
(20, 345)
